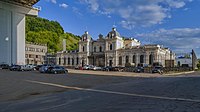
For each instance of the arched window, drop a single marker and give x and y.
(59, 61)
(110, 46)
(77, 60)
(65, 61)
(68, 61)
(134, 59)
(151, 59)
(100, 49)
(141, 58)
(72, 61)
(120, 60)
(95, 49)
(83, 49)
(127, 59)
(179, 63)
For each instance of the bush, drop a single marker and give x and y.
(198, 65)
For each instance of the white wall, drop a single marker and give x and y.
(12, 27)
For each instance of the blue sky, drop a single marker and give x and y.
(172, 23)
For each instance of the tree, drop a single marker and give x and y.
(43, 31)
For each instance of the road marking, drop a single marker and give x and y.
(114, 92)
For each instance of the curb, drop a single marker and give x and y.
(181, 73)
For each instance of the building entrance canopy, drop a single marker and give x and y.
(26, 3)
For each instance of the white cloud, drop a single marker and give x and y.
(142, 13)
(53, 1)
(63, 5)
(77, 11)
(179, 40)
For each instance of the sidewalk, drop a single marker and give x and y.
(111, 73)
(125, 74)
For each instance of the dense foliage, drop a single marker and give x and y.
(198, 64)
(43, 31)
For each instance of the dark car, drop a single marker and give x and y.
(107, 68)
(139, 69)
(56, 70)
(4, 66)
(38, 67)
(157, 69)
(44, 68)
(15, 68)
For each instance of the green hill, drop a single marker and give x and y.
(43, 31)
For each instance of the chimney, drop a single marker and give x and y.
(64, 44)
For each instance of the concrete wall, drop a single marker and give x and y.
(12, 33)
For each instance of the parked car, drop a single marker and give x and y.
(139, 69)
(15, 68)
(96, 68)
(117, 69)
(43, 68)
(142, 65)
(26, 68)
(38, 67)
(157, 69)
(57, 69)
(107, 68)
(4, 66)
(86, 67)
(78, 68)
(33, 66)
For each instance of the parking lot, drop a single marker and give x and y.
(93, 91)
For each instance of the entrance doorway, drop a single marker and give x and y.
(110, 62)
(82, 63)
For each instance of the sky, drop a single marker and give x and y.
(171, 23)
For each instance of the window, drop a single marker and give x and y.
(59, 61)
(64, 60)
(72, 61)
(83, 49)
(127, 59)
(68, 61)
(111, 46)
(134, 59)
(150, 59)
(100, 49)
(95, 49)
(120, 60)
(141, 58)
(77, 60)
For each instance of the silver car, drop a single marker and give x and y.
(96, 68)
(26, 68)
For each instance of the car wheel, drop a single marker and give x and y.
(55, 72)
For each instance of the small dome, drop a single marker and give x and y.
(113, 33)
(86, 36)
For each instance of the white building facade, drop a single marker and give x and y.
(113, 50)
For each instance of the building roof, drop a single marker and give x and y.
(86, 36)
(113, 33)
(26, 3)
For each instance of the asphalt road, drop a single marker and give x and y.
(35, 92)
